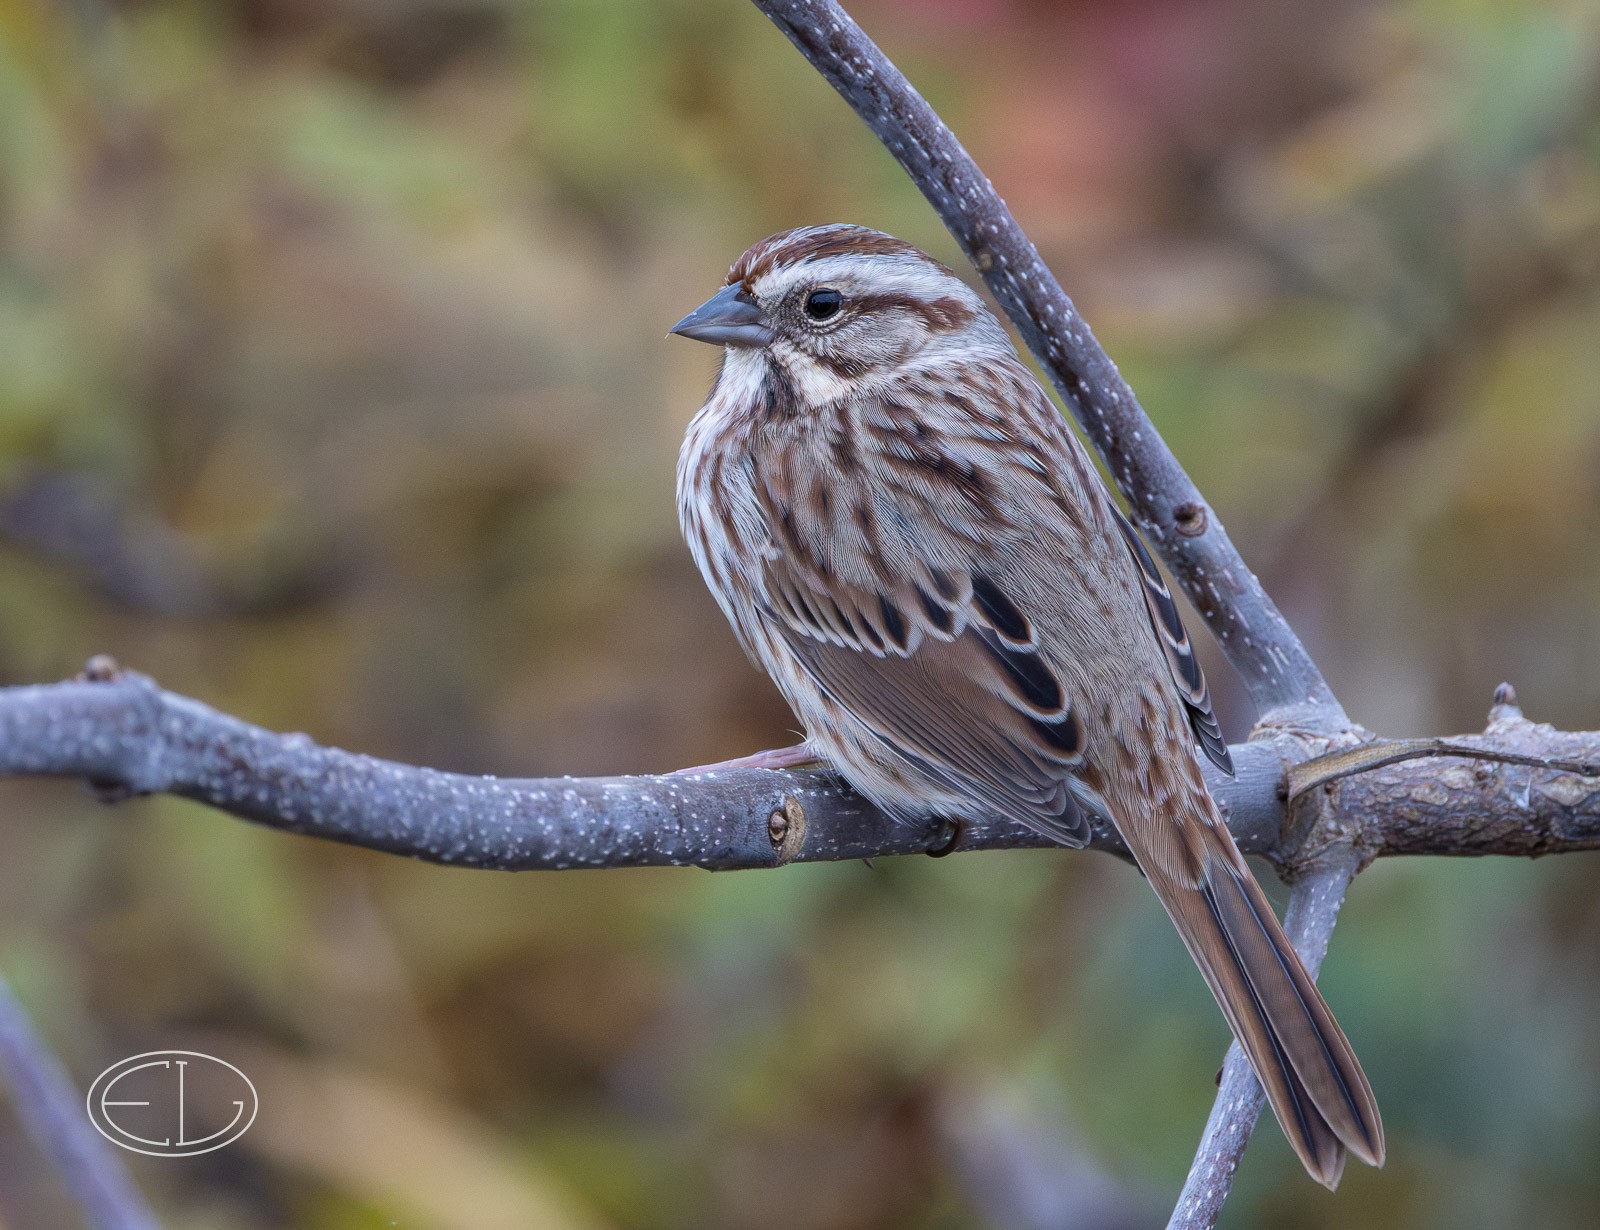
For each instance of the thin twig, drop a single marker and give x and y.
(51, 1108)
(1314, 903)
(1279, 674)
(1309, 774)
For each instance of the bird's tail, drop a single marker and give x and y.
(1300, 1055)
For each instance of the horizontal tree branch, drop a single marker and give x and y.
(1276, 670)
(126, 736)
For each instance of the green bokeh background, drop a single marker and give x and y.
(334, 391)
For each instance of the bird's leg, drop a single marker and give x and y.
(946, 834)
(800, 756)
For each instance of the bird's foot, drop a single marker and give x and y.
(800, 756)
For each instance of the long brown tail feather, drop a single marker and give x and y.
(1302, 1058)
(1346, 1100)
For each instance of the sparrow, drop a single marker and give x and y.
(906, 536)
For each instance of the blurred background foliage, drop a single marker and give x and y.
(334, 391)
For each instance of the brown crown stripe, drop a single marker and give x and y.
(814, 243)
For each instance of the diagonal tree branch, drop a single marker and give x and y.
(1279, 674)
(51, 1108)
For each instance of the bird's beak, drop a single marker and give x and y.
(729, 318)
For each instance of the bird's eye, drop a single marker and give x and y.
(821, 304)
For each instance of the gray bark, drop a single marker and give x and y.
(126, 736)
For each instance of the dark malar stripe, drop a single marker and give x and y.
(779, 398)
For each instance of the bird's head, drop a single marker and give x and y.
(838, 305)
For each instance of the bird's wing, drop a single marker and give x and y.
(896, 611)
(975, 709)
(1174, 638)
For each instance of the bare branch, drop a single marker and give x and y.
(1314, 903)
(124, 735)
(51, 1108)
(1467, 807)
(1277, 671)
